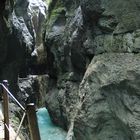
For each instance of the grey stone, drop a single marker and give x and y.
(109, 98)
(22, 32)
(128, 42)
(33, 89)
(124, 13)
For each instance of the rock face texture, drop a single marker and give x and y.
(109, 94)
(114, 25)
(93, 63)
(33, 89)
(37, 10)
(76, 31)
(91, 57)
(18, 37)
(21, 25)
(15, 44)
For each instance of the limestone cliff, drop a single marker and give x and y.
(21, 25)
(94, 101)
(21, 42)
(89, 50)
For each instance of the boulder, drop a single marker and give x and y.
(109, 99)
(117, 16)
(33, 89)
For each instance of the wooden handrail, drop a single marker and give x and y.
(11, 95)
(6, 110)
(29, 111)
(32, 120)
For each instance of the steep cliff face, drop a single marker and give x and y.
(15, 44)
(21, 44)
(116, 25)
(109, 99)
(76, 31)
(106, 32)
(91, 56)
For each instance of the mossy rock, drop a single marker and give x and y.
(55, 10)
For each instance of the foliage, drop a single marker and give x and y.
(56, 7)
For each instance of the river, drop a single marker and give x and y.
(48, 131)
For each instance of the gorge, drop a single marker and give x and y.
(77, 58)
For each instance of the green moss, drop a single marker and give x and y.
(55, 10)
(48, 2)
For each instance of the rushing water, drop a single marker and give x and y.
(48, 131)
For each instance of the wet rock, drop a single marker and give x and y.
(18, 35)
(15, 37)
(108, 14)
(34, 14)
(21, 31)
(33, 89)
(109, 98)
(38, 12)
(73, 38)
(60, 102)
(128, 42)
(64, 42)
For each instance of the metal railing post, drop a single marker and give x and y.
(32, 120)
(6, 110)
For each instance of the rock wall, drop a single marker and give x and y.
(91, 56)
(109, 98)
(15, 44)
(33, 89)
(94, 101)
(18, 39)
(21, 29)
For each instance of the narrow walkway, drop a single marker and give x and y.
(12, 132)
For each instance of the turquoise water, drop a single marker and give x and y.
(48, 131)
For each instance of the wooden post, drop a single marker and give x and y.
(32, 120)
(6, 110)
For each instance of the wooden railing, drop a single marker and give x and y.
(29, 111)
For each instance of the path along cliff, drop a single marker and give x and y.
(91, 58)
(11, 129)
